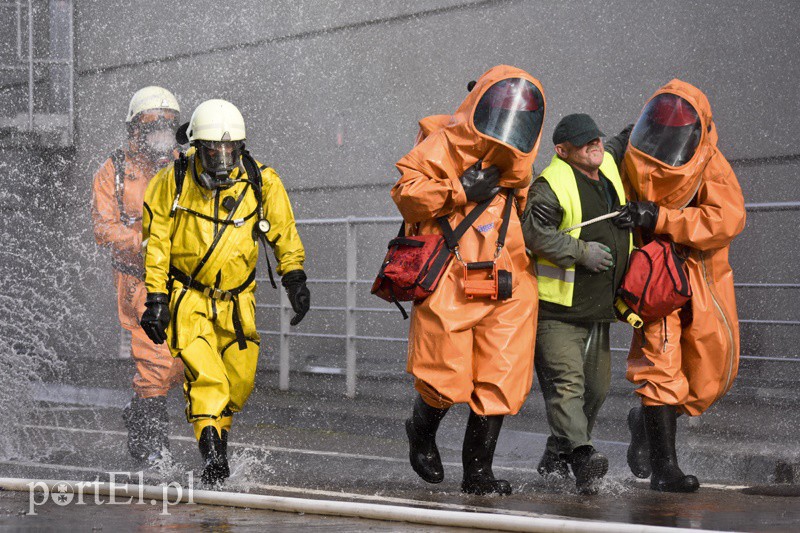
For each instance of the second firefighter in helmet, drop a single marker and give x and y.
(204, 216)
(117, 195)
(464, 348)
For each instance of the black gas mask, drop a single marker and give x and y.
(218, 159)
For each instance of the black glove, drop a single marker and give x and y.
(300, 297)
(480, 184)
(546, 214)
(637, 215)
(156, 317)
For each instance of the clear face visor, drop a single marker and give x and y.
(668, 130)
(219, 157)
(157, 134)
(511, 111)
(160, 141)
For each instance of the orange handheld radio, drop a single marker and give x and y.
(484, 279)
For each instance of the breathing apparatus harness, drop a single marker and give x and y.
(253, 171)
(126, 219)
(260, 230)
(118, 161)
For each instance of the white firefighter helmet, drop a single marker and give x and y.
(151, 97)
(216, 120)
(216, 130)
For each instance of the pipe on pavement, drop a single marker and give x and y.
(393, 513)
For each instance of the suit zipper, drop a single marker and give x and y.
(727, 326)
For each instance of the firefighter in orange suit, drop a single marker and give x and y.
(477, 351)
(683, 189)
(118, 195)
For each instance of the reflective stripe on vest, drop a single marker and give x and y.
(557, 285)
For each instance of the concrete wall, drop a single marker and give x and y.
(308, 73)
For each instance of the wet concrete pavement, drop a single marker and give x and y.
(320, 446)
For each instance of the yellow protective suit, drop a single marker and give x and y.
(117, 197)
(690, 359)
(475, 351)
(220, 371)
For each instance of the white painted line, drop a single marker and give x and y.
(279, 449)
(325, 453)
(51, 466)
(702, 485)
(72, 408)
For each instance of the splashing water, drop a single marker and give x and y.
(249, 466)
(43, 268)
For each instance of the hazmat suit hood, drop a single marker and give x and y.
(451, 144)
(654, 180)
(431, 124)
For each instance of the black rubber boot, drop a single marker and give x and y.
(422, 451)
(225, 442)
(553, 466)
(133, 419)
(589, 466)
(477, 455)
(639, 448)
(158, 421)
(660, 422)
(216, 468)
(147, 423)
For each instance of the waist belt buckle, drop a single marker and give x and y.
(217, 294)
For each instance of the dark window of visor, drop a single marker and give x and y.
(668, 130)
(511, 111)
(218, 156)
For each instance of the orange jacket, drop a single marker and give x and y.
(701, 207)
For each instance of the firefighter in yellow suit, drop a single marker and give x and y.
(203, 218)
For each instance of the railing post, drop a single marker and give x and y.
(19, 30)
(71, 73)
(283, 361)
(350, 313)
(30, 65)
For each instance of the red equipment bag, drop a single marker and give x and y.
(414, 265)
(656, 282)
(411, 269)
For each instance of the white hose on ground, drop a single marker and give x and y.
(392, 513)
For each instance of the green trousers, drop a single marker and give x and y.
(573, 363)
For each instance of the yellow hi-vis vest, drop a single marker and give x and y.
(557, 284)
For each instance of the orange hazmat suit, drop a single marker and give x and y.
(690, 358)
(476, 351)
(117, 199)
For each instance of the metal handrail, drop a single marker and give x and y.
(28, 62)
(350, 309)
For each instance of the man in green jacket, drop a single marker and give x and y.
(578, 272)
